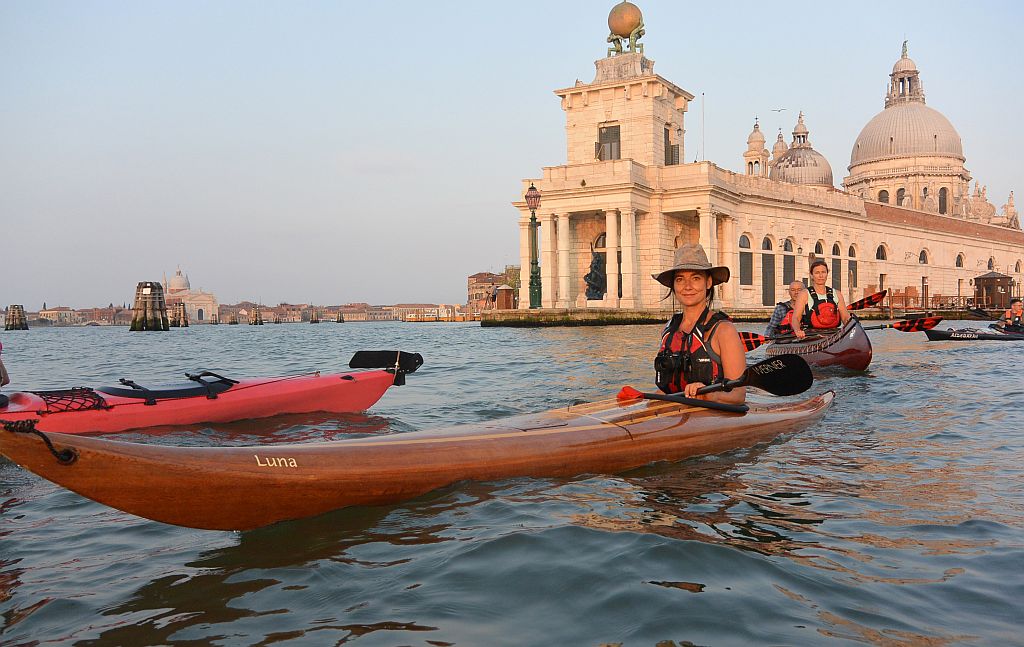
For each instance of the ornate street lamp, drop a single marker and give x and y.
(533, 202)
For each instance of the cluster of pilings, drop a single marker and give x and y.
(341, 317)
(255, 317)
(314, 316)
(150, 309)
(178, 315)
(16, 318)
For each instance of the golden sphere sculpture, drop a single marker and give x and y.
(624, 18)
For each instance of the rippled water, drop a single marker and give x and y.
(899, 520)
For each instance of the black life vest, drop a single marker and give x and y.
(821, 312)
(685, 358)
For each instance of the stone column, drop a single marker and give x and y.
(709, 234)
(564, 296)
(548, 265)
(730, 257)
(630, 289)
(611, 219)
(524, 263)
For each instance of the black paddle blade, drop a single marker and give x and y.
(781, 375)
(868, 301)
(395, 359)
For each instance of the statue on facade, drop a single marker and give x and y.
(596, 279)
(626, 23)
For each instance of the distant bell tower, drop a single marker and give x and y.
(627, 111)
(756, 156)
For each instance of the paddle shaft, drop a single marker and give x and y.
(693, 402)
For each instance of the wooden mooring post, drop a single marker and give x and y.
(16, 319)
(178, 315)
(150, 309)
(256, 316)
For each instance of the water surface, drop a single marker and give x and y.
(898, 520)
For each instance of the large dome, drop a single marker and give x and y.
(906, 130)
(178, 282)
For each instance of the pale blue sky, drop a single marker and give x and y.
(336, 152)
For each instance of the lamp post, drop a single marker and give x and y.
(533, 202)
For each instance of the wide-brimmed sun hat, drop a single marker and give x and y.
(692, 257)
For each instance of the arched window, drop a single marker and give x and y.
(1017, 268)
(836, 251)
(943, 200)
(959, 260)
(883, 196)
(880, 253)
(767, 273)
(746, 262)
(818, 249)
(788, 262)
(852, 253)
(991, 264)
(900, 194)
(600, 242)
(922, 258)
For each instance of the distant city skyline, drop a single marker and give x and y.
(331, 153)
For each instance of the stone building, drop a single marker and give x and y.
(201, 306)
(623, 201)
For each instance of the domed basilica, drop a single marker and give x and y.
(906, 219)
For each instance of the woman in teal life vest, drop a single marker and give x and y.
(822, 307)
(698, 346)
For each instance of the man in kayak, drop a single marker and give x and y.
(822, 308)
(782, 318)
(1013, 319)
(698, 347)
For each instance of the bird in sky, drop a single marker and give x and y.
(778, 109)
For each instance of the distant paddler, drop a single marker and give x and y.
(781, 322)
(698, 347)
(1013, 319)
(822, 307)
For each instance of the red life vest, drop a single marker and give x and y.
(821, 312)
(787, 321)
(684, 358)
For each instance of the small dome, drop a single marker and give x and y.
(178, 282)
(802, 165)
(801, 128)
(780, 148)
(756, 139)
(905, 64)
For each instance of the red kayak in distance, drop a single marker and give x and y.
(210, 398)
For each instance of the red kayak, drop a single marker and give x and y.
(208, 397)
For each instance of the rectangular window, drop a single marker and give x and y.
(746, 268)
(788, 269)
(837, 274)
(608, 144)
(853, 274)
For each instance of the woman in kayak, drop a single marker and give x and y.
(1013, 319)
(698, 347)
(822, 307)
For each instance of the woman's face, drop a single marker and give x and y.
(820, 274)
(691, 287)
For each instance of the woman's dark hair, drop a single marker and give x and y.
(816, 262)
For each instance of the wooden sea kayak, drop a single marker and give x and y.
(239, 488)
(848, 346)
(208, 397)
